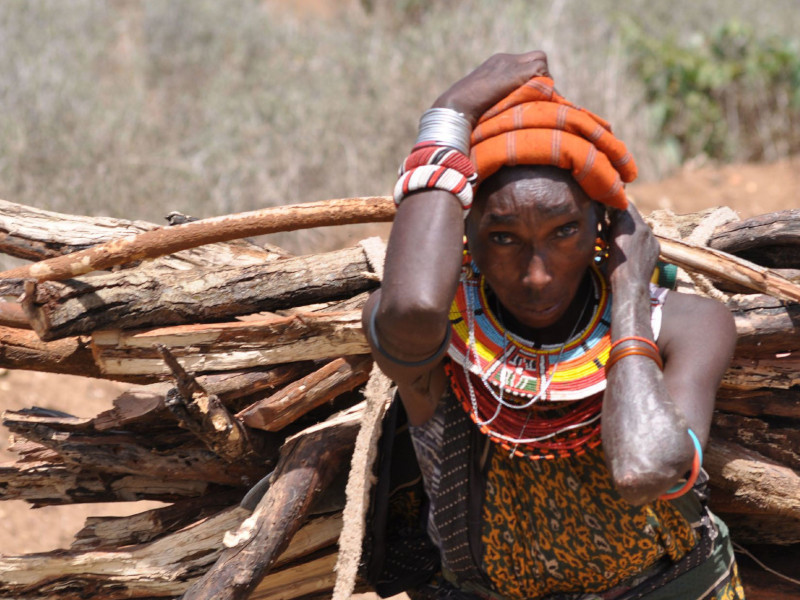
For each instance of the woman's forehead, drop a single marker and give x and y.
(517, 191)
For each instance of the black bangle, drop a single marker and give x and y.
(373, 338)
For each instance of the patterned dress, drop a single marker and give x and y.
(549, 524)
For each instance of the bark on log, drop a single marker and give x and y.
(779, 442)
(121, 453)
(47, 484)
(780, 228)
(284, 407)
(780, 371)
(35, 234)
(309, 462)
(761, 402)
(757, 497)
(22, 349)
(144, 409)
(136, 299)
(163, 568)
(231, 346)
(205, 415)
(114, 532)
(159, 242)
(765, 325)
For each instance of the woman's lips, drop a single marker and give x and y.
(540, 310)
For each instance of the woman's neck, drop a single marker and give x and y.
(575, 319)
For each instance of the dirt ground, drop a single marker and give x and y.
(748, 189)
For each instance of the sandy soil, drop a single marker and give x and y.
(749, 189)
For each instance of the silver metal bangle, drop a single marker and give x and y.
(446, 127)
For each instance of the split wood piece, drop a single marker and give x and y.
(780, 371)
(47, 484)
(792, 275)
(361, 478)
(309, 462)
(143, 409)
(22, 349)
(296, 399)
(163, 568)
(135, 298)
(205, 416)
(765, 325)
(727, 267)
(159, 242)
(121, 453)
(114, 532)
(757, 497)
(780, 228)
(761, 402)
(302, 581)
(230, 346)
(36, 234)
(779, 443)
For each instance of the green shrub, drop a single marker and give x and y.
(731, 94)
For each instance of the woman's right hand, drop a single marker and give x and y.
(497, 77)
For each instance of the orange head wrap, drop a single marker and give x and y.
(534, 125)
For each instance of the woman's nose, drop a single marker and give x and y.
(537, 275)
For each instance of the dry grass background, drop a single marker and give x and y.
(133, 108)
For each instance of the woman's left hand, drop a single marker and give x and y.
(632, 248)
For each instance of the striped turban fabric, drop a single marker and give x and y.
(534, 125)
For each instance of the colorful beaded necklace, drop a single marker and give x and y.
(539, 402)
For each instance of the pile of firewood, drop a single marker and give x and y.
(251, 371)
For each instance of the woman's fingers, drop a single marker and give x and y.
(492, 81)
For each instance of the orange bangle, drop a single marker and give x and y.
(689, 482)
(617, 355)
(636, 338)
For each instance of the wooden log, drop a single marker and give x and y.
(230, 346)
(780, 228)
(308, 463)
(22, 349)
(47, 484)
(12, 315)
(136, 299)
(727, 267)
(205, 415)
(163, 568)
(123, 453)
(113, 532)
(313, 577)
(780, 443)
(159, 242)
(757, 497)
(760, 402)
(36, 234)
(780, 371)
(765, 325)
(284, 407)
(144, 408)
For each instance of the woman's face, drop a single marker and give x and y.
(532, 234)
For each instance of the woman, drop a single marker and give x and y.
(554, 327)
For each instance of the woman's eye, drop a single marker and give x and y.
(567, 230)
(501, 238)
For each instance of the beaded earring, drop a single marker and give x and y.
(600, 251)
